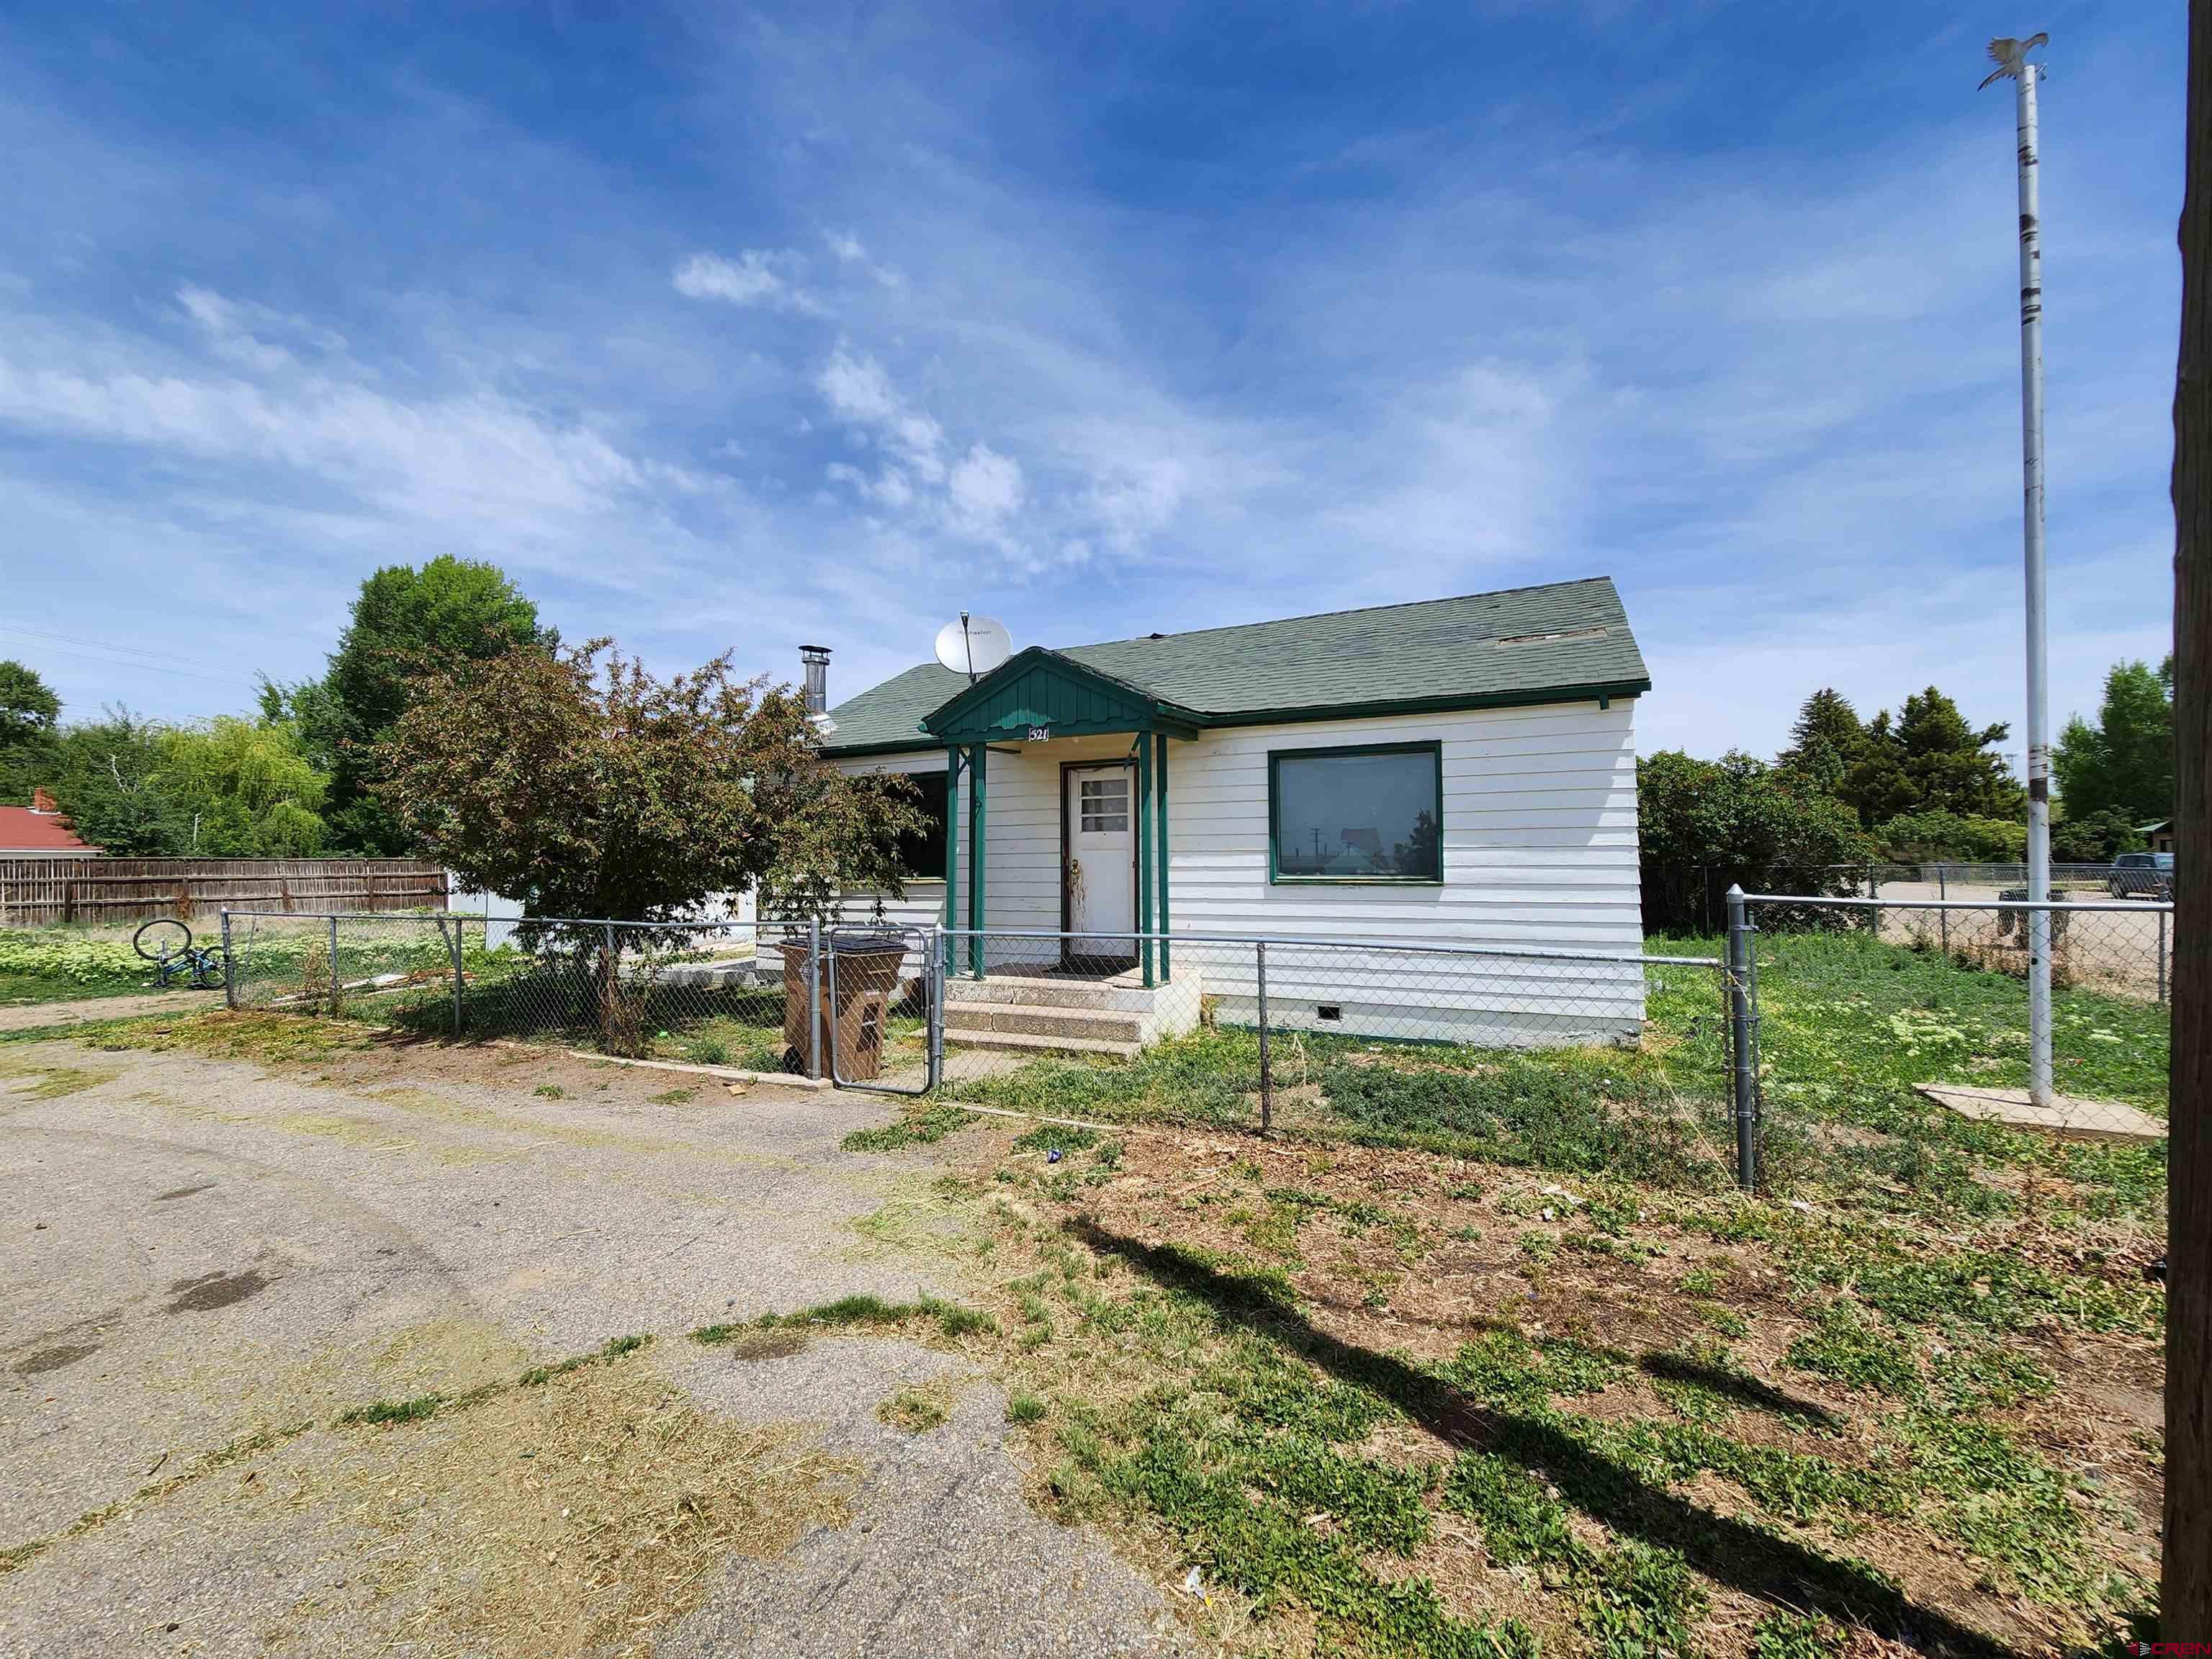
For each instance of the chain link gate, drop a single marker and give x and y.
(859, 1010)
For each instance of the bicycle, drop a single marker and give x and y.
(201, 968)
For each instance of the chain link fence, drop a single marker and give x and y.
(1863, 1048)
(1696, 897)
(707, 994)
(1910, 1015)
(1580, 1061)
(1575, 1060)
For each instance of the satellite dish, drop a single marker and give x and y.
(974, 646)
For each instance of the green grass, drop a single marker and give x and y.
(1231, 1400)
(18, 989)
(613, 1348)
(1850, 1026)
(917, 1128)
(951, 1320)
(61, 957)
(390, 1411)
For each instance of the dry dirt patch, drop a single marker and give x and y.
(583, 1513)
(586, 1514)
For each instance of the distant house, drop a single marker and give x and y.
(2157, 837)
(39, 832)
(1461, 771)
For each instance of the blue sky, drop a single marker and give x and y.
(726, 328)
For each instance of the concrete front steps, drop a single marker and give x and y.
(1050, 1013)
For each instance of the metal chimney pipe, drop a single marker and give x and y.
(815, 661)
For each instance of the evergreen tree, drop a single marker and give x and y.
(1929, 759)
(1825, 740)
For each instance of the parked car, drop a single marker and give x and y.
(2142, 875)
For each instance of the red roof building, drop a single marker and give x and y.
(27, 832)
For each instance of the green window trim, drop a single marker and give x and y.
(1276, 877)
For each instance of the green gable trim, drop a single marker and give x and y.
(1039, 691)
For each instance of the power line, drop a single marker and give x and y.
(96, 645)
(150, 667)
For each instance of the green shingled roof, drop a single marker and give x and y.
(1531, 644)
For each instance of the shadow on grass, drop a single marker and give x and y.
(1744, 1390)
(1743, 1556)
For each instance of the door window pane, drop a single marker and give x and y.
(1358, 814)
(1105, 803)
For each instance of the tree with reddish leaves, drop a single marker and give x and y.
(574, 780)
(577, 782)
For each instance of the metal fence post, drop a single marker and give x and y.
(814, 996)
(457, 973)
(1943, 917)
(608, 989)
(229, 967)
(936, 977)
(1266, 1082)
(334, 1001)
(2162, 956)
(1743, 1020)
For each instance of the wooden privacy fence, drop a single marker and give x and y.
(40, 892)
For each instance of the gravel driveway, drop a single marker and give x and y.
(213, 1261)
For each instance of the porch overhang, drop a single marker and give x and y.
(1038, 694)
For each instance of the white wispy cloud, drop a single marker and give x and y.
(1336, 365)
(758, 276)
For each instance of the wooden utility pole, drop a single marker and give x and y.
(2185, 1588)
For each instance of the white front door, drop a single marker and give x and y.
(1101, 876)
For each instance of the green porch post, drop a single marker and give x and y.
(976, 807)
(951, 837)
(1145, 851)
(1160, 836)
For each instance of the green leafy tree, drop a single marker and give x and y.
(409, 627)
(2124, 763)
(29, 712)
(1824, 741)
(1940, 838)
(2093, 838)
(577, 782)
(106, 778)
(1929, 759)
(243, 789)
(1706, 824)
(28, 708)
(230, 788)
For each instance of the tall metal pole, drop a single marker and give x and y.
(2038, 717)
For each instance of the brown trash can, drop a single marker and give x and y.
(867, 984)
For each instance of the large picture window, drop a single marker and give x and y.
(1370, 814)
(922, 855)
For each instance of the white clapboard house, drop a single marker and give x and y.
(1457, 772)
